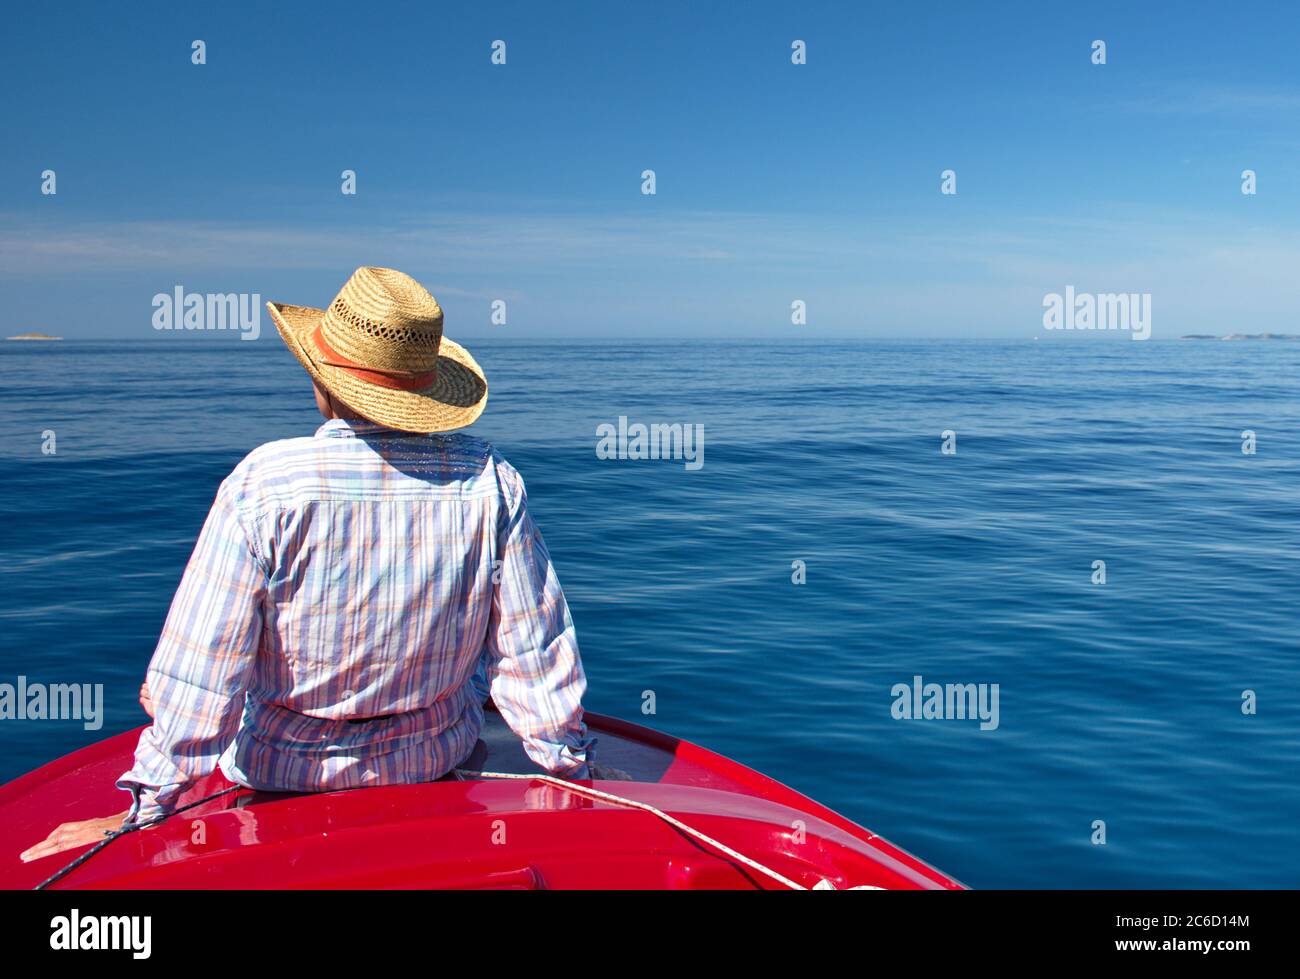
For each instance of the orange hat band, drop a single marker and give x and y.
(396, 380)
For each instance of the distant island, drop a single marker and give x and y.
(1242, 336)
(34, 336)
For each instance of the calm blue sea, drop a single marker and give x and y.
(1118, 702)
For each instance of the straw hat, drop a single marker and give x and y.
(379, 349)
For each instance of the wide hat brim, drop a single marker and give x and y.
(455, 398)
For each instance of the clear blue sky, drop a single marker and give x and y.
(775, 182)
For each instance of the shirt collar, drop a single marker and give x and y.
(350, 428)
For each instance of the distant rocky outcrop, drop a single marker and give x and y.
(34, 336)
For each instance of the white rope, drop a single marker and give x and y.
(672, 821)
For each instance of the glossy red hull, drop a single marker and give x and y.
(478, 833)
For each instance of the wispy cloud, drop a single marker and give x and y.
(632, 272)
(37, 249)
(1198, 98)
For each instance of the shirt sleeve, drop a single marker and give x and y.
(535, 672)
(202, 664)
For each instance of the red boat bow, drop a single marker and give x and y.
(475, 833)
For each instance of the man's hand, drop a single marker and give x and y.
(146, 701)
(609, 774)
(70, 835)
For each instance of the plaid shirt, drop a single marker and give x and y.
(351, 601)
